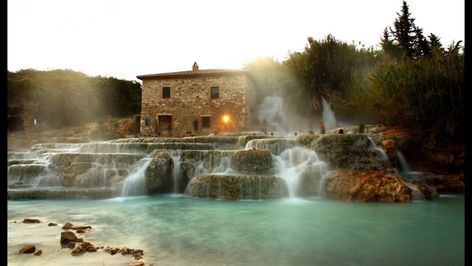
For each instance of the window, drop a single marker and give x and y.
(205, 121)
(215, 92)
(165, 92)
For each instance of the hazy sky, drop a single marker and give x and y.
(125, 38)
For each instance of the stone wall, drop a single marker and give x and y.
(190, 99)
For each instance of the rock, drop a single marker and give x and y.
(348, 151)
(31, 221)
(391, 148)
(428, 192)
(77, 251)
(52, 224)
(366, 185)
(67, 237)
(71, 245)
(442, 183)
(158, 175)
(253, 162)
(80, 231)
(306, 140)
(81, 227)
(38, 253)
(67, 226)
(88, 246)
(27, 249)
(233, 187)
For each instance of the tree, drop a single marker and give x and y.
(388, 45)
(435, 43)
(421, 47)
(404, 31)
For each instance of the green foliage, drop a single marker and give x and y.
(60, 98)
(326, 68)
(426, 94)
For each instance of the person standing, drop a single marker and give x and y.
(322, 128)
(361, 129)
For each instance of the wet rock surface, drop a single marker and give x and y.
(80, 246)
(221, 186)
(442, 183)
(67, 237)
(31, 221)
(158, 175)
(27, 249)
(366, 185)
(253, 162)
(348, 151)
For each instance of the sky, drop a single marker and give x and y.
(126, 38)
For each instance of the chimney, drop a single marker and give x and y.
(195, 66)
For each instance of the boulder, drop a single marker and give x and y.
(348, 151)
(38, 253)
(31, 221)
(158, 175)
(67, 237)
(366, 185)
(27, 249)
(252, 162)
(67, 226)
(233, 187)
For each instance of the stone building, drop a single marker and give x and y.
(197, 102)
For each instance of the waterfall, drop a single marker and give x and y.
(327, 114)
(176, 171)
(134, 184)
(381, 152)
(402, 163)
(301, 169)
(404, 168)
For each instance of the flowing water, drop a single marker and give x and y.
(186, 231)
(327, 114)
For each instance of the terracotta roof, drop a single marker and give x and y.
(190, 73)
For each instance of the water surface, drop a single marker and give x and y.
(178, 230)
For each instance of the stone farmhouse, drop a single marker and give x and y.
(197, 102)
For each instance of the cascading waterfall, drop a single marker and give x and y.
(134, 184)
(31, 170)
(292, 164)
(327, 114)
(381, 152)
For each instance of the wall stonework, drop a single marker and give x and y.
(190, 99)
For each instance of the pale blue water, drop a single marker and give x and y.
(185, 231)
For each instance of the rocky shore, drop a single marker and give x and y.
(35, 242)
